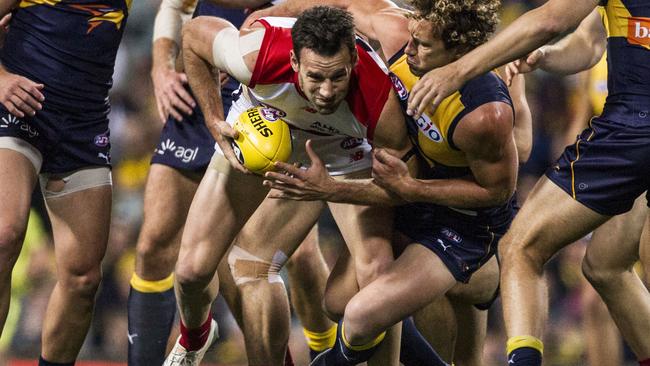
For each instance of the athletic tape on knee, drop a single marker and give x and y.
(25, 148)
(245, 267)
(76, 181)
(524, 341)
(228, 50)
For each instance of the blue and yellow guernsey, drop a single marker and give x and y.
(70, 46)
(433, 132)
(628, 58)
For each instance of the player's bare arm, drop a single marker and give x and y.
(380, 20)
(240, 4)
(485, 136)
(576, 52)
(171, 97)
(530, 31)
(208, 43)
(314, 183)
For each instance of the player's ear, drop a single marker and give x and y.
(294, 61)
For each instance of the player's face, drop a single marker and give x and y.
(324, 79)
(424, 51)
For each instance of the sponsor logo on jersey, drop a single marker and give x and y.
(324, 128)
(11, 120)
(399, 87)
(428, 128)
(638, 31)
(272, 114)
(102, 140)
(351, 142)
(184, 154)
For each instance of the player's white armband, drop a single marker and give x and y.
(229, 49)
(170, 18)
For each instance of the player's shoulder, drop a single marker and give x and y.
(485, 88)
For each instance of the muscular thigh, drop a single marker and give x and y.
(278, 226)
(167, 198)
(616, 242)
(17, 180)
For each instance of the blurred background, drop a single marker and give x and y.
(555, 103)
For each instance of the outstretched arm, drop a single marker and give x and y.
(576, 52)
(379, 20)
(530, 31)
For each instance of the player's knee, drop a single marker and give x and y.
(81, 283)
(359, 323)
(11, 237)
(597, 274)
(191, 275)
(367, 271)
(155, 250)
(513, 250)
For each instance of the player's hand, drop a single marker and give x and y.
(19, 95)
(171, 96)
(292, 182)
(389, 172)
(4, 28)
(432, 88)
(224, 136)
(524, 65)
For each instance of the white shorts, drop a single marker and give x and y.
(341, 154)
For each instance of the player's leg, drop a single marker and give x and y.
(608, 265)
(531, 241)
(603, 342)
(152, 304)
(437, 324)
(80, 225)
(260, 250)
(308, 272)
(17, 181)
(644, 250)
(368, 231)
(341, 285)
(460, 318)
(412, 281)
(222, 204)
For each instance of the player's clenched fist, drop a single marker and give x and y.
(20, 95)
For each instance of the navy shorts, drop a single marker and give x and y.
(186, 145)
(607, 168)
(463, 242)
(67, 141)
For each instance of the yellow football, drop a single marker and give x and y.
(264, 138)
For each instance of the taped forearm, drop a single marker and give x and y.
(171, 17)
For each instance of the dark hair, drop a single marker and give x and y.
(461, 24)
(324, 30)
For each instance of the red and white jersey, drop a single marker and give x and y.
(275, 84)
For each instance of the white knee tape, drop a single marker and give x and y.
(245, 267)
(229, 49)
(76, 181)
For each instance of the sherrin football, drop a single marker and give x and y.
(264, 138)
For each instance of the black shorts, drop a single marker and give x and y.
(463, 242)
(186, 145)
(67, 141)
(607, 168)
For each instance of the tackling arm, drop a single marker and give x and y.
(485, 135)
